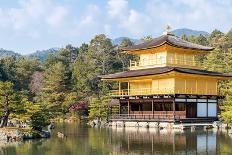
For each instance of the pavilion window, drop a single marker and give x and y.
(163, 107)
(168, 107)
(157, 107)
(134, 107)
(147, 107)
(180, 107)
(124, 110)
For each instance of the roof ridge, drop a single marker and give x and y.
(168, 38)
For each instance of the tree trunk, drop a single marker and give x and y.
(4, 119)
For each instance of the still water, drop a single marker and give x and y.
(82, 140)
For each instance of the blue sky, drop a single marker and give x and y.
(30, 25)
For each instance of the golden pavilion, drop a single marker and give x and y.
(167, 83)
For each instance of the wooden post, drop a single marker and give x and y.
(119, 108)
(119, 88)
(128, 88)
(152, 108)
(207, 106)
(174, 108)
(128, 107)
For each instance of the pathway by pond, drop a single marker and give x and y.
(82, 140)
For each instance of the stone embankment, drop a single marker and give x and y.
(17, 134)
(160, 125)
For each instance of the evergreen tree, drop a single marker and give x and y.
(98, 108)
(185, 37)
(9, 102)
(54, 87)
(215, 61)
(192, 39)
(125, 58)
(202, 40)
(100, 59)
(146, 38)
(24, 70)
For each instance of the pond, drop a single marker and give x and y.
(83, 140)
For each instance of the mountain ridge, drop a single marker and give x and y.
(42, 54)
(8, 53)
(180, 32)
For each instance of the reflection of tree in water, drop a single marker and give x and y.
(224, 146)
(8, 148)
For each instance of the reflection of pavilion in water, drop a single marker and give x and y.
(167, 142)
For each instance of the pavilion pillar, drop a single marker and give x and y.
(119, 107)
(128, 107)
(119, 88)
(152, 107)
(174, 108)
(128, 88)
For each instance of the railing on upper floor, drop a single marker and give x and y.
(149, 91)
(163, 62)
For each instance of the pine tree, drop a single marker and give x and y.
(9, 102)
(98, 108)
(185, 37)
(226, 107)
(146, 38)
(54, 87)
(215, 61)
(125, 58)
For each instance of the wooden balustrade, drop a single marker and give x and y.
(163, 61)
(148, 91)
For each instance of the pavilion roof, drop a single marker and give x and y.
(161, 70)
(169, 39)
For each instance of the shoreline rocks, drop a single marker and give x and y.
(17, 134)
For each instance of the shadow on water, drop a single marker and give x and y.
(82, 140)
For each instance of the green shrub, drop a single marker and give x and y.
(39, 120)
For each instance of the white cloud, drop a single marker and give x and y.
(129, 20)
(35, 8)
(136, 23)
(30, 13)
(57, 16)
(195, 14)
(86, 20)
(117, 8)
(91, 13)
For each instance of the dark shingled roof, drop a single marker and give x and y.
(169, 39)
(161, 70)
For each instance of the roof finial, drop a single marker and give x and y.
(167, 30)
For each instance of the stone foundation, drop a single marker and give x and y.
(141, 124)
(164, 125)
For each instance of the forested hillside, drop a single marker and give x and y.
(72, 76)
(7, 53)
(43, 54)
(189, 32)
